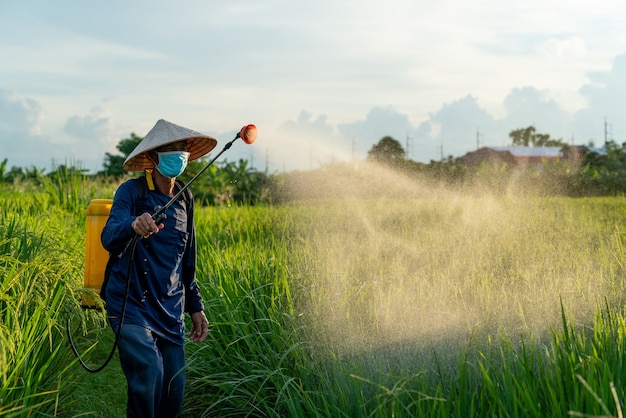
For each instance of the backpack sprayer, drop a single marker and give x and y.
(248, 134)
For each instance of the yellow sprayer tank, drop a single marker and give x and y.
(96, 256)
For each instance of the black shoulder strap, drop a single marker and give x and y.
(143, 193)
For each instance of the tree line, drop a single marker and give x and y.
(238, 183)
(593, 174)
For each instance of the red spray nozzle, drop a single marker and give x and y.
(248, 134)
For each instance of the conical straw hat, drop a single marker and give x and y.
(163, 133)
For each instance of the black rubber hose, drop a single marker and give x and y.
(131, 247)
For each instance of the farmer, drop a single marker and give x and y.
(161, 271)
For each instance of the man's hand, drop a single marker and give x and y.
(144, 225)
(199, 327)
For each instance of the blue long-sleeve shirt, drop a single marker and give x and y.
(162, 273)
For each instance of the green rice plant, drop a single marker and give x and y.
(362, 307)
(410, 308)
(66, 186)
(34, 272)
(434, 271)
(249, 364)
(591, 362)
(569, 376)
(70, 189)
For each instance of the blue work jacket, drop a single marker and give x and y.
(162, 272)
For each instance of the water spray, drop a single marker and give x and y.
(248, 134)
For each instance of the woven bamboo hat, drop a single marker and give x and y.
(163, 133)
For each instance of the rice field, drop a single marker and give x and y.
(421, 303)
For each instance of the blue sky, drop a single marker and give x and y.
(323, 81)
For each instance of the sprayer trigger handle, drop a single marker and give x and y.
(158, 217)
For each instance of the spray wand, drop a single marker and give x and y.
(248, 134)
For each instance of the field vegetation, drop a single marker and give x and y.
(371, 294)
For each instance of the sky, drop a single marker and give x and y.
(322, 80)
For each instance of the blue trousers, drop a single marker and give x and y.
(155, 373)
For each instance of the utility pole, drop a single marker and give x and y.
(477, 138)
(606, 132)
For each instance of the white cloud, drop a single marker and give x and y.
(94, 125)
(370, 69)
(21, 142)
(18, 115)
(605, 101)
(528, 106)
(561, 48)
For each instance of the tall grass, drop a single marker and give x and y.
(437, 305)
(37, 268)
(434, 307)
(406, 308)
(252, 354)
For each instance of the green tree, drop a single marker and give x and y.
(226, 183)
(3, 168)
(113, 163)
(529, 137)
(602, 174)
(387, 151)
(17, 173)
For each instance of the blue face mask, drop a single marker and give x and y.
(172, 163)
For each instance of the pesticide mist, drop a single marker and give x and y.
(389, 263)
